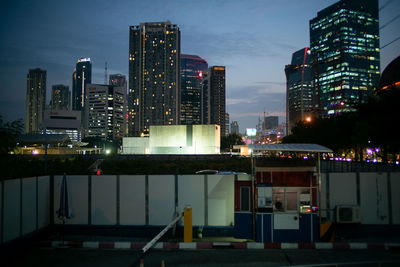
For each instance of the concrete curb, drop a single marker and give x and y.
(216, 245)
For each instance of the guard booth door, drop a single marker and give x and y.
(293, 220)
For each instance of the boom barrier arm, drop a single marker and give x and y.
(157, 237)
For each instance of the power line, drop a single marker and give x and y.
(398, 38)
(390, 21)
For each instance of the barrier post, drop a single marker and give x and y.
(187, 225)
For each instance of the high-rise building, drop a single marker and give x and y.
(235, 127)
(35, 100)
(226, 124)
(344, 40)
(271, 122)
(81, 77)
(214, 107)
(154, 76)
(192, 69)
(105, 111)
(299, 87)
(60, 97)
(118, 80)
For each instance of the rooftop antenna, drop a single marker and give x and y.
(105, 73)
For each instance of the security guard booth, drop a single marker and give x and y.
(279, 203)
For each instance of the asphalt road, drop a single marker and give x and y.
(60, 257)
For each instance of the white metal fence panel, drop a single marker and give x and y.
(132, 199)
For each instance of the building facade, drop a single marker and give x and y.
(105, 111)
(154, 76)
(299, 87)
(227, 124)
(63, 122)
(214, 99)
(175, 140)
(81, 77)
(192, 69)
(60, 97)
(118, 80)
(344, 39)
(35, 99)
(235, 127)
(271, 122)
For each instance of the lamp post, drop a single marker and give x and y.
(253, 195)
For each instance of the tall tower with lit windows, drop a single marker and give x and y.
(299, 88)
(154, 76)
(35, 99)
(192, 69)
(214, 98)
(80, 78)
(344, 40)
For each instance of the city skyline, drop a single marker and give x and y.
(253, 48)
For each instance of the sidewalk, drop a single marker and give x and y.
(214, 243)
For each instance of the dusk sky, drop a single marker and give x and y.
(253, 39)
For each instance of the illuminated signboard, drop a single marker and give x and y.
(251, 131)
(84, 59)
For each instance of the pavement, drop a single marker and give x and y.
(98, 250)
(79, 257)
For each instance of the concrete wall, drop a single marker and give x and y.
(395, 200)
(135, 145)
(377, 195)
(24, 206)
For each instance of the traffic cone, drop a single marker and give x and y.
(141, 264)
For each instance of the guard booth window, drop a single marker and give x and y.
(245, 198)
(287, 199)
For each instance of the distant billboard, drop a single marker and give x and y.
(251, 131)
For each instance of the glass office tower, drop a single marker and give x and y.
(214, 98)
(344, 40)
(299, 87)
(192, 69)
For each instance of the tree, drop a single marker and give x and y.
(227, 142)
(9, 132)
(374, 124)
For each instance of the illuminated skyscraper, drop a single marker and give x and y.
(81, 77)
(105, 111)
(214, 101)
(192, 70)
(35, 100)
(60, 97)
(344, 41)
(154, 76)
(119, 80)
(299, 88)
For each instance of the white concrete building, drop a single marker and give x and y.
(176, 139)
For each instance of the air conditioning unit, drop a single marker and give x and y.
(348, 214)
